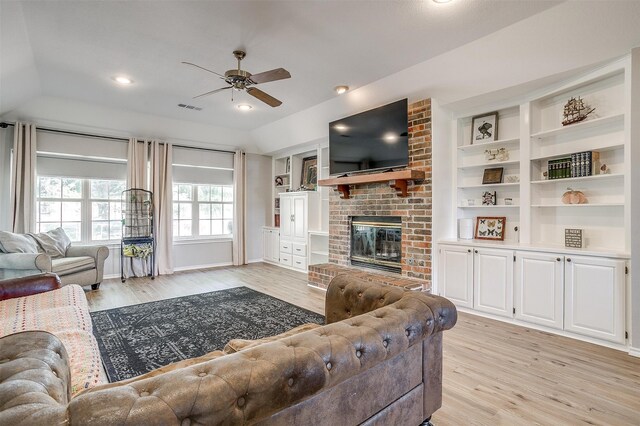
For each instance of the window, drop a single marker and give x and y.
(60, 204)
(202, 210)
(87, 209)
(106, 214)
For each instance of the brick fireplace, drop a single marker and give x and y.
(380, 200)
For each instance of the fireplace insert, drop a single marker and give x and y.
(376, 242)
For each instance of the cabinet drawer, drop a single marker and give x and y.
(286, 247)
(299, 249)
(300, 262)
(286, 259)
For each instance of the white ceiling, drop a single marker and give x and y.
(76, 47)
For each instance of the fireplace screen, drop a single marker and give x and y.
(376, 242)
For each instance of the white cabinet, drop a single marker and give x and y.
(456, 275)
(271, 244)
(594, 297)
(493, 281)
(299, 213)
(538, 288)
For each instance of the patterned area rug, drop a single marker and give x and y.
(136, 339)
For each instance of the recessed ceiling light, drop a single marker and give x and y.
(122, 80)
(341, 89)
(441, 1)
(244, 107)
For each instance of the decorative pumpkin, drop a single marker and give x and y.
(574, 197)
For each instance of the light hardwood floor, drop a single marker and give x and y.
(494, 373)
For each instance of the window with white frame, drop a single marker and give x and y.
(202, 210)
(87, 209)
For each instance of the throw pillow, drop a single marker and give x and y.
(54, 243)
(17, 243)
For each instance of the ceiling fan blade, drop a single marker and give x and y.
(273, 75)
(264, 97)
(212, 92)
(203, 68)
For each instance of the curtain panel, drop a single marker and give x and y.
(239, 210)
(23, 178)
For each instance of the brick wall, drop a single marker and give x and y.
(379, 199)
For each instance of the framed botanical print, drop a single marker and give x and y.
(490, 228)
(484, 128)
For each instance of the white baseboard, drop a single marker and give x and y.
(192, 267)
(634, 352)
(111, 276)
(255, 260)
(315, 287)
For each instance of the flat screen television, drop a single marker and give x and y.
(371, 140)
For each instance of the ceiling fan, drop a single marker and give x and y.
(239, 79)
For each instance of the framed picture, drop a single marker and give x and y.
(489, 198)
(492, 176)
(277, 203)
(484, 128)
(490, 228)
(309, 177)
(287, 167)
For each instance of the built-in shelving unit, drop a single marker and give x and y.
(318, 247)
(533, 134)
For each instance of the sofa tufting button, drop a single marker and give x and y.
(408, 332)
(54, 373)
(186, 422)
(144, 393)
(382, 300)
(241, 401)
(290, 381)
(202, 374)
(329, 366)
(359, 294)
(358, 354)
(429, 321)
(348, 312)
(385, 343)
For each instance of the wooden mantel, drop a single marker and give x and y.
(397, 180)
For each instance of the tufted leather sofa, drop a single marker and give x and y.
(378, 361)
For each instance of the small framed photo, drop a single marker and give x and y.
(490, 228)
(492, 176)
(309, 177)
(489, 198)
(484, 128)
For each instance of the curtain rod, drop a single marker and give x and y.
(4, 125)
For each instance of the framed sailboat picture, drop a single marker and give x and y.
(490, 228)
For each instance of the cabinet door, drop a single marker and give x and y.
(538, 288)
(594, 297)
(266, 244)
(493, 281)
(286, 214)
(275, 246)
(456, 275)
(299, 207)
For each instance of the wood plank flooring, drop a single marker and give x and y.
(494, 373)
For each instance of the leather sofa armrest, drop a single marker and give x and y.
(34, 379)
(26, 286)
(39, 261)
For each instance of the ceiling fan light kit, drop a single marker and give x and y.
(120, 79)
(244, 107)
(240, 79)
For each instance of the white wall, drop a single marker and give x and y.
(526, 51)
(258, 202)
(634, 177)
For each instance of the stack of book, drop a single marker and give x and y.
(579, 164)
